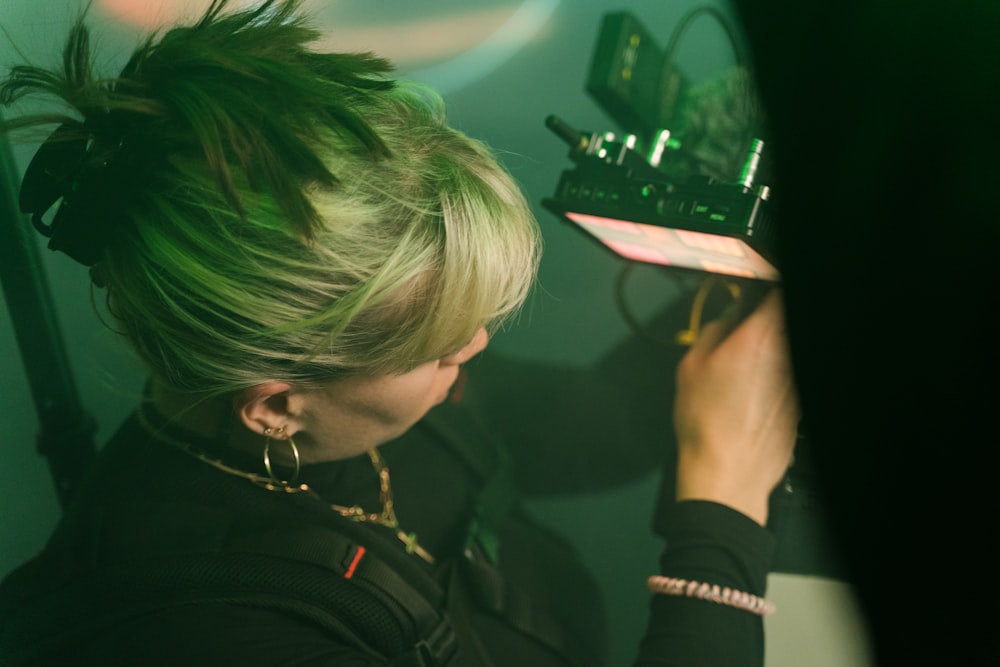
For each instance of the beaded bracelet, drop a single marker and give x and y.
(712, 593)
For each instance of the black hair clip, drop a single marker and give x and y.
(68, 167)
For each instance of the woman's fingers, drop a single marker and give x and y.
(736, 411)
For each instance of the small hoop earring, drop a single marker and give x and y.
(267, 458)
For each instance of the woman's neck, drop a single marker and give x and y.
(206, 417)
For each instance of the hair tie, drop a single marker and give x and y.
(95, 179)
(711, 593)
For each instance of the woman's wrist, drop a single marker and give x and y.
(735, 489)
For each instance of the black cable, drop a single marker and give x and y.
(685, 23)
(630, 318)
(666, 81)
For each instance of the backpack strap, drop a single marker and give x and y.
(490, 591)
(478, 573)
(321, 576)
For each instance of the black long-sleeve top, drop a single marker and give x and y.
(149, 499)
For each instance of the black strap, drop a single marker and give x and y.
(354, 595)
(491, 592)
(479, 572)
(337, 575)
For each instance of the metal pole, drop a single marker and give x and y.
(66, 433)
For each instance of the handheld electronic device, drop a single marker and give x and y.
(622, 199)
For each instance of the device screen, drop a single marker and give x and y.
(653, 244)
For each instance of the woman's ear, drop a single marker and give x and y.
(478, 343)
(266, 406)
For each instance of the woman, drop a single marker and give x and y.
(304, 256)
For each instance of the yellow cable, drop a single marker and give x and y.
(690, 335)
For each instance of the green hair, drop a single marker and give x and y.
(303, 217)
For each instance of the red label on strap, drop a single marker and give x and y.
(354, 563)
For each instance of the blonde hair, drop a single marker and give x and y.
(336, 225)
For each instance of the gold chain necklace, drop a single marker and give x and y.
(386, 517)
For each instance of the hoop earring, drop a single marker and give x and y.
(267, 458)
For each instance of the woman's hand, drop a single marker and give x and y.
(736, 412)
